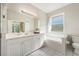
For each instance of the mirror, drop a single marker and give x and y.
(17, 27)
(18, 22)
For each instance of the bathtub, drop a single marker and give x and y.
(56, 42)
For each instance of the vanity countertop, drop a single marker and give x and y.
(19, 35)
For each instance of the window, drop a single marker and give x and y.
(55, 24)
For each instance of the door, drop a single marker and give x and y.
(3, 28)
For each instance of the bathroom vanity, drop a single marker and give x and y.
(22, 45)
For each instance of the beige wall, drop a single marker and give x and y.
(71, 18)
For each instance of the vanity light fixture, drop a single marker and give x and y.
(28, 13)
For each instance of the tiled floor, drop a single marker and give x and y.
(46, 51)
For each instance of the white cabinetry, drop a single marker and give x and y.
(24, 45)
(27, 46)
(38, 43)
(13, 47)
(32, 44)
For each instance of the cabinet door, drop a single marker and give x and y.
(26, 46)
(13, 49)
(34, 43)
(37, 42)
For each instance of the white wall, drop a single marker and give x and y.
(71, 17)
(43, 21)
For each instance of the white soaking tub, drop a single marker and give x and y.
(57, 42)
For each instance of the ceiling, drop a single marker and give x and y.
(48, 7)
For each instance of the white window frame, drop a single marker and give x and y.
(63, 21)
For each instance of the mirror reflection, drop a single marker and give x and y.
(21, 22)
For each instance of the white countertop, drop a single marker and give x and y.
(18, 35)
